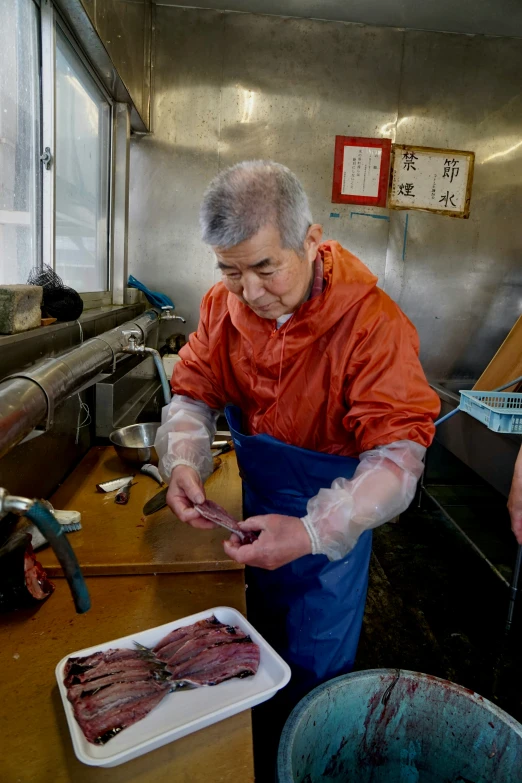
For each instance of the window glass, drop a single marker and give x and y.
(82, 174)
(19, 140)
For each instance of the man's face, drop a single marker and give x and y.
(271, 280)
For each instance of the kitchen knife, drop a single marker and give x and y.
(159, 500)
(155, 503)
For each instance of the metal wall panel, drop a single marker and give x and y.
(234, 86)
(125, 29)
(289, 86)
(116, 36)
(484, 17)
(171, 168)
(460, 281)
(230, 87)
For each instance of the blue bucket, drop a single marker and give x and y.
(395, 726)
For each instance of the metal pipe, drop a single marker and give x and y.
(23, 405)
(513, 588)
(27, 399)
(447, 416)
(509, 383)
(465, 536)
(134, 346)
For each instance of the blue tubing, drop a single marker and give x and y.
(54, 533)
(165, 385)
(447, 416)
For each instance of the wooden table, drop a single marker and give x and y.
(181, 571)
(35, 740)
(121, 540)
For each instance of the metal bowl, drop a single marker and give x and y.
(136, 443)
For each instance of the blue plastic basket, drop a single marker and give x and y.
(499, 411)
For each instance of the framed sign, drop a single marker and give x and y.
(434, 180)
(361, 171)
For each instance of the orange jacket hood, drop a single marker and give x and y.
(347, 282)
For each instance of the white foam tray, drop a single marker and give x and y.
(181, 712)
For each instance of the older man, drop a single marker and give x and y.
(327, 403)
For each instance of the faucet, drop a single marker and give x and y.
(166, 315)
(44, 520)
(134, 345)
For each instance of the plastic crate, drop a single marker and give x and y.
(499, 411)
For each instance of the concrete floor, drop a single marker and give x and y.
(433, 606)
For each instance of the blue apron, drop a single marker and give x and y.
(310, 610)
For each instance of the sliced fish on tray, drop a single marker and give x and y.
(218, 663)
(114, 689)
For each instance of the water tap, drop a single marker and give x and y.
(166, 315)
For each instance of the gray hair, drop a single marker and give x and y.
(246, 197)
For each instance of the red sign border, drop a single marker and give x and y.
(360, 141)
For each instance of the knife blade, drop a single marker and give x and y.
(159, 500)
(156, 503)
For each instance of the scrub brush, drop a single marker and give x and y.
(69, 520)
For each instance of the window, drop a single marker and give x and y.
(82, 174)
(54, 211)
(20, 210)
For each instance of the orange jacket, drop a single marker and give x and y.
(341, 376)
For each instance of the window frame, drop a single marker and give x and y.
(31, 215)
(50, 22)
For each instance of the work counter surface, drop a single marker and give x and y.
(36, 744)
(120, 540)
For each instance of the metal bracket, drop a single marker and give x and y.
(136, 333)
(47, 158)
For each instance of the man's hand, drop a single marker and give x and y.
(282, 540)
(186, 489)
(515, 500)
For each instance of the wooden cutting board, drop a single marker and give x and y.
(121, 540)
(506, 363)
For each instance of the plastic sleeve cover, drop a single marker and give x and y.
(185, 436)
(382, 487)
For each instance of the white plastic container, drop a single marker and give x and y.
(180, 712)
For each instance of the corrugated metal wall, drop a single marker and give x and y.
(233, 86)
